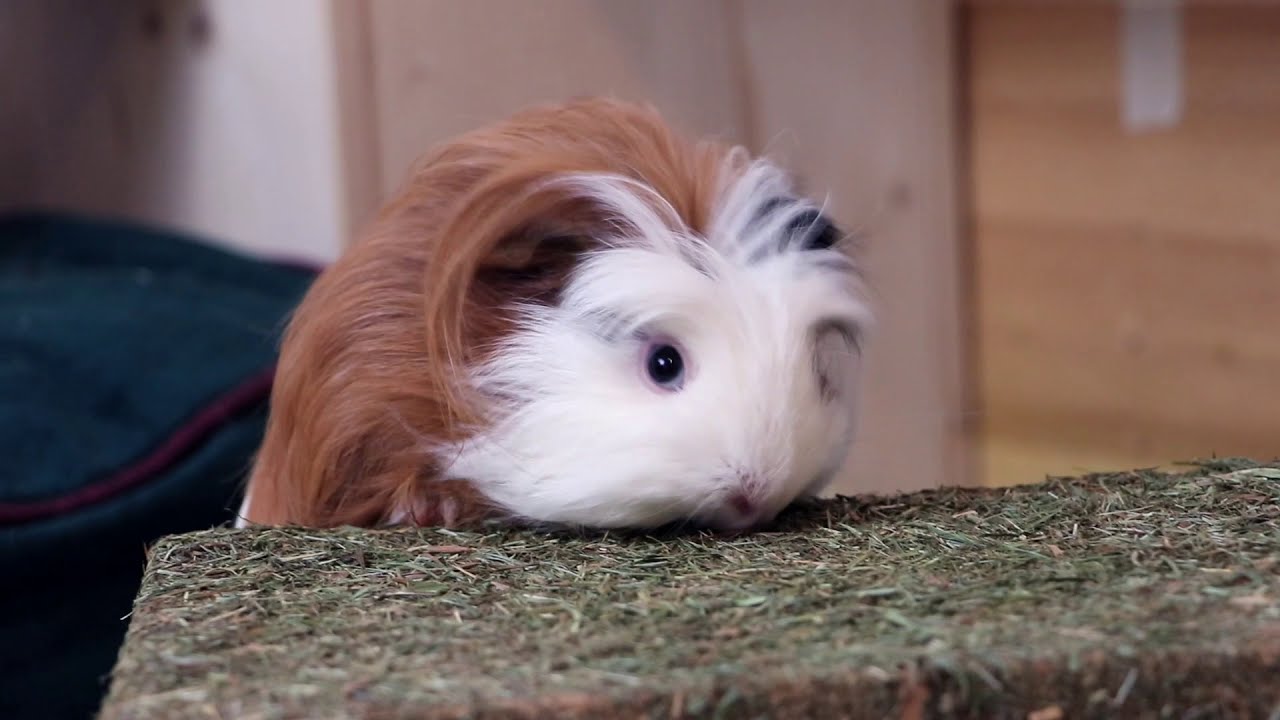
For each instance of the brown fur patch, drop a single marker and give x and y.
(368, 372)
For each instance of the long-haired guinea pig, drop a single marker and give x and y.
(572, 317)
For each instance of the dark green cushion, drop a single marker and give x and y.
(135, 369)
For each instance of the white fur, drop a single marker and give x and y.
(584, 439)
(242, 516)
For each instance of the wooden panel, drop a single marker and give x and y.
(218, 118)
(357, 110)
(859, 98)
(1128, 284)
(443, 67)
(37, 92)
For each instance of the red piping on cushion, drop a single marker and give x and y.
(183, 440)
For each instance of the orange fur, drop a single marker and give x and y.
(368, 367)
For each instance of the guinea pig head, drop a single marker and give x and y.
(574, 316)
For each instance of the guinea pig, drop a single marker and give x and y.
(575, 316)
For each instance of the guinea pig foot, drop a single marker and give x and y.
(420, 512)
(448, 505)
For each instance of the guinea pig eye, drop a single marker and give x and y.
(664, 366)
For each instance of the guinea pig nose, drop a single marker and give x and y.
(742, 503)
(739, 511)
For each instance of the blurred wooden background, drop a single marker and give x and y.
(1059, 289)
(1127, 284)
(216, 116)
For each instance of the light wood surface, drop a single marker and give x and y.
(215, 117)
(357, 111)
(1128, 284)
(443, 67)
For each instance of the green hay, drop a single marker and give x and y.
(1140, 594)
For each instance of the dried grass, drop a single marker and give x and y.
(1109, 595)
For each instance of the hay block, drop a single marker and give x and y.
(1139, 594)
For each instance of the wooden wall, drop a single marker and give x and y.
(216, 117)
(1127, 281)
